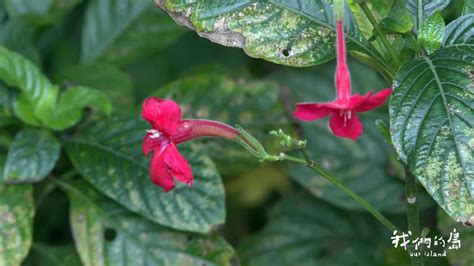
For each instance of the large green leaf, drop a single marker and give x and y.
(460, 32)
(108, 155)
(287, 32)
(107, 234)
(31, 157)
(421, 9)
(122, 31)
(16, 222)
(305, 231)
(431, 122)
(40, 101)
(234, 101)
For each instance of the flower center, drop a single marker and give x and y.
(154, 134)
(347, 116)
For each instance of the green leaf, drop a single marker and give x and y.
(31, 156)
(107, 78)
(398, 19)
(422, 9)
(281, 31)
(235, 102)
(16, 216)
(105, 21)
(432, 32)
(46, 255)
(68, 110)
(431, 122)
(40, 101)
(107, 234)
(306, 231)
(460, 32)
(108, 155)
(151, 32)
(5, 107)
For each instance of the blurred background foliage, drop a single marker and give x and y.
(275, 214)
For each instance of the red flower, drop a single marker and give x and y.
(344, 121)
(165, 118)
(169, 130)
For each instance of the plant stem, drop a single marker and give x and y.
(412, 213)
(318, 169)
(379, 32)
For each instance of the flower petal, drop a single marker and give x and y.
(312, 111)
(148, 144)
(369, 101)
(177, 165)
(163, 115)
(160, 173)
(351, 128)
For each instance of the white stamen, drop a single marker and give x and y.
(154, 133)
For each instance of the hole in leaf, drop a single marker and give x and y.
(286, 52)
(110, 234)
(190, 238)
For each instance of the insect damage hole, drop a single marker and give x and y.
(286, 52)
(110, 234)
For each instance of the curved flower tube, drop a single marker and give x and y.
(344, 121)
(168, 130)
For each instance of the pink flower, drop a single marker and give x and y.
(344, 121)
(169, 130)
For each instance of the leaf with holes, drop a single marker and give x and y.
(431, 122)
(460, 32)
(16, 222)
(108, 155)
(421, 9)
(107, 234)
(306, 231)
(31, 156)
(295, 33)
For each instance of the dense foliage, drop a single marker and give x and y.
(75, 186)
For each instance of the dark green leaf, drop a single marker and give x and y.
(306, 231)
(421, 9)
(106, 78)
(460, 32)
(31, 157)
(432, 32)
(151, 32)
(431, 121)
(287, 32)
(398, 19)
(105, 21)
(107, 234)
(108, 155)
(16, 222)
